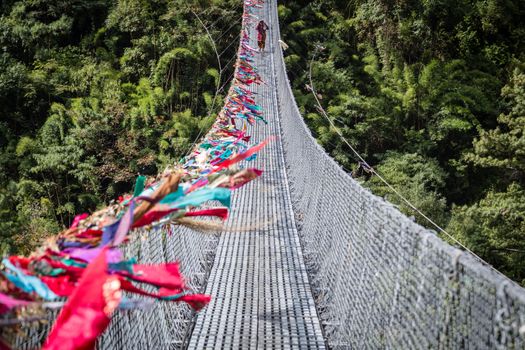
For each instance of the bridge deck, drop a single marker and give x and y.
(261, 294)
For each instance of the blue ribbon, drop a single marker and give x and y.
(28, 284)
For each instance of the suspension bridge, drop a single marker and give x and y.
(312, 260)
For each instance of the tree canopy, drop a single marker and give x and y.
(93, 92)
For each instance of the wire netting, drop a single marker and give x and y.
(164, 325)
(379, 279)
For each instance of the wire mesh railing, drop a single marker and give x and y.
(164, 325)
(161, 325)
(379, 279)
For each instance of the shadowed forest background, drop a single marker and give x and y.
(431, 92)
(93, 92)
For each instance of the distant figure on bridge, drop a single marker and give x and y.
(262, 27)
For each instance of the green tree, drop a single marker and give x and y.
(94, 92)
(421, 181)
(494, 228)
(503, 148)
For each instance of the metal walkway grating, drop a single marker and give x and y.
(260, 288)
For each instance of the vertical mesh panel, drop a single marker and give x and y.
(379, 279)
(167, 325)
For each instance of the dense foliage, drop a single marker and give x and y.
(433, 95)
(93, 92)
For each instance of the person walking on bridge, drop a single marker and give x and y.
(262, 27)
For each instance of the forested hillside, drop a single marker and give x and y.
(432, 93)
(93, 92)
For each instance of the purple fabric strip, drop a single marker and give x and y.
(113, 255)
(125, 225)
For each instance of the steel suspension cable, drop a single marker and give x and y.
(221, 70)
(392, 188)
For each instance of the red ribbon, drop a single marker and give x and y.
(87, 312)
